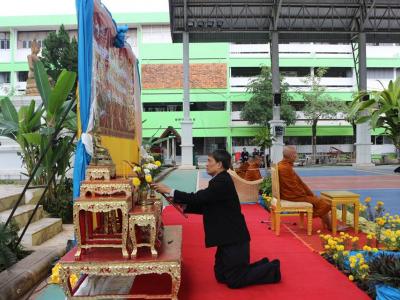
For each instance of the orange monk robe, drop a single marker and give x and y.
(292, 188)
(241, 171)
(253, 171)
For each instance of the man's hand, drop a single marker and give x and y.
(161, 188)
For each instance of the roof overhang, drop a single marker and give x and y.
(296, 20)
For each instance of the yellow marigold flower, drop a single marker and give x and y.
(367, 200)
(351, 277)
(364, 267)
(341, 248)
(148, 178)
(345, 253)
(365, 248)
(359, 255)
(157, 163)
(354, 239)
(375, 250)
(379, 203)
(335, 256)
(73, 280)
(327, 247)
(136, 181)
(393, 239)
(369, 236)
(341, 233)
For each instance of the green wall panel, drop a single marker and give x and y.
(201, 51)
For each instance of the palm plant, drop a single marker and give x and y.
(383, 110)
(9, 253)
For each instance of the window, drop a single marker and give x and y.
(22, 76)
(207, 106)
(242, 141)
(156, 34)
(238, 106)
(162, 106)
(206, 145)
(331, 140)
(4, 40)
(4, 77)
(297, 105)
(245, 72)
(294, 72)
(380, 73)
(297, 140)
(339, 72)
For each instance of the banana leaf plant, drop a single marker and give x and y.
(33, 128)
(383, 110)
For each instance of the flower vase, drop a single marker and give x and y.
(143, 197)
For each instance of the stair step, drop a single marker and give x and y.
(9, 195)
(40, 231)
(22, 214)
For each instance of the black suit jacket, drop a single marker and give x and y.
(219, 204)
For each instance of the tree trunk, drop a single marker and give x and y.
(314, 141)
(354, 139)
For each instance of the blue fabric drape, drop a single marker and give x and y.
(85, 45)
(385, 292)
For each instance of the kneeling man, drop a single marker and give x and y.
(225, 226)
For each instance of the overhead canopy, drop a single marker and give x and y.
(241, 21)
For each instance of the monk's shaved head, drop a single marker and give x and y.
(289, 152)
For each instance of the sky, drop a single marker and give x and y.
(66, 7)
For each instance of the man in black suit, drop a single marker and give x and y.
(225, 226)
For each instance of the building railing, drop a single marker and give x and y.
(311, 50)
(5, 55)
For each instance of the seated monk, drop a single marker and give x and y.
(241, 171)
(292, 188)
(253, 171)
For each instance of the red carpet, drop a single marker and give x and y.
(305, 275)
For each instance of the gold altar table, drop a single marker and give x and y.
(85, 235)
(344, 198)
(110, 262)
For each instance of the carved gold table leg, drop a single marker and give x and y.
(64, 278)
(176, 281)
(124, 232)
(133, 237)
(77, 230)
(153, 236)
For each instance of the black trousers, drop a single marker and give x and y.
(232, 266)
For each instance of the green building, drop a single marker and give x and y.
(220, 73)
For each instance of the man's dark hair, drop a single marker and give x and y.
(222, 156)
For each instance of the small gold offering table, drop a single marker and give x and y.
(148, 219)
(109, 262)
(344, 198)
(86, 235)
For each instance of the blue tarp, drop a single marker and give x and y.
(85, 44)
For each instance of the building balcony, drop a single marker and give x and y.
(310, 51)
(343, 84)
(21, 55)
(5, 55)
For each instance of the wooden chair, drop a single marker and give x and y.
(247, 190)
(282, 208)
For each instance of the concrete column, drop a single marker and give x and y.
(277, 144)
(186, 124)
(168, 150)
(13, 50)
(173, 141)
(363, 142)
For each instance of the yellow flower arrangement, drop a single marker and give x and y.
(55, 276)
